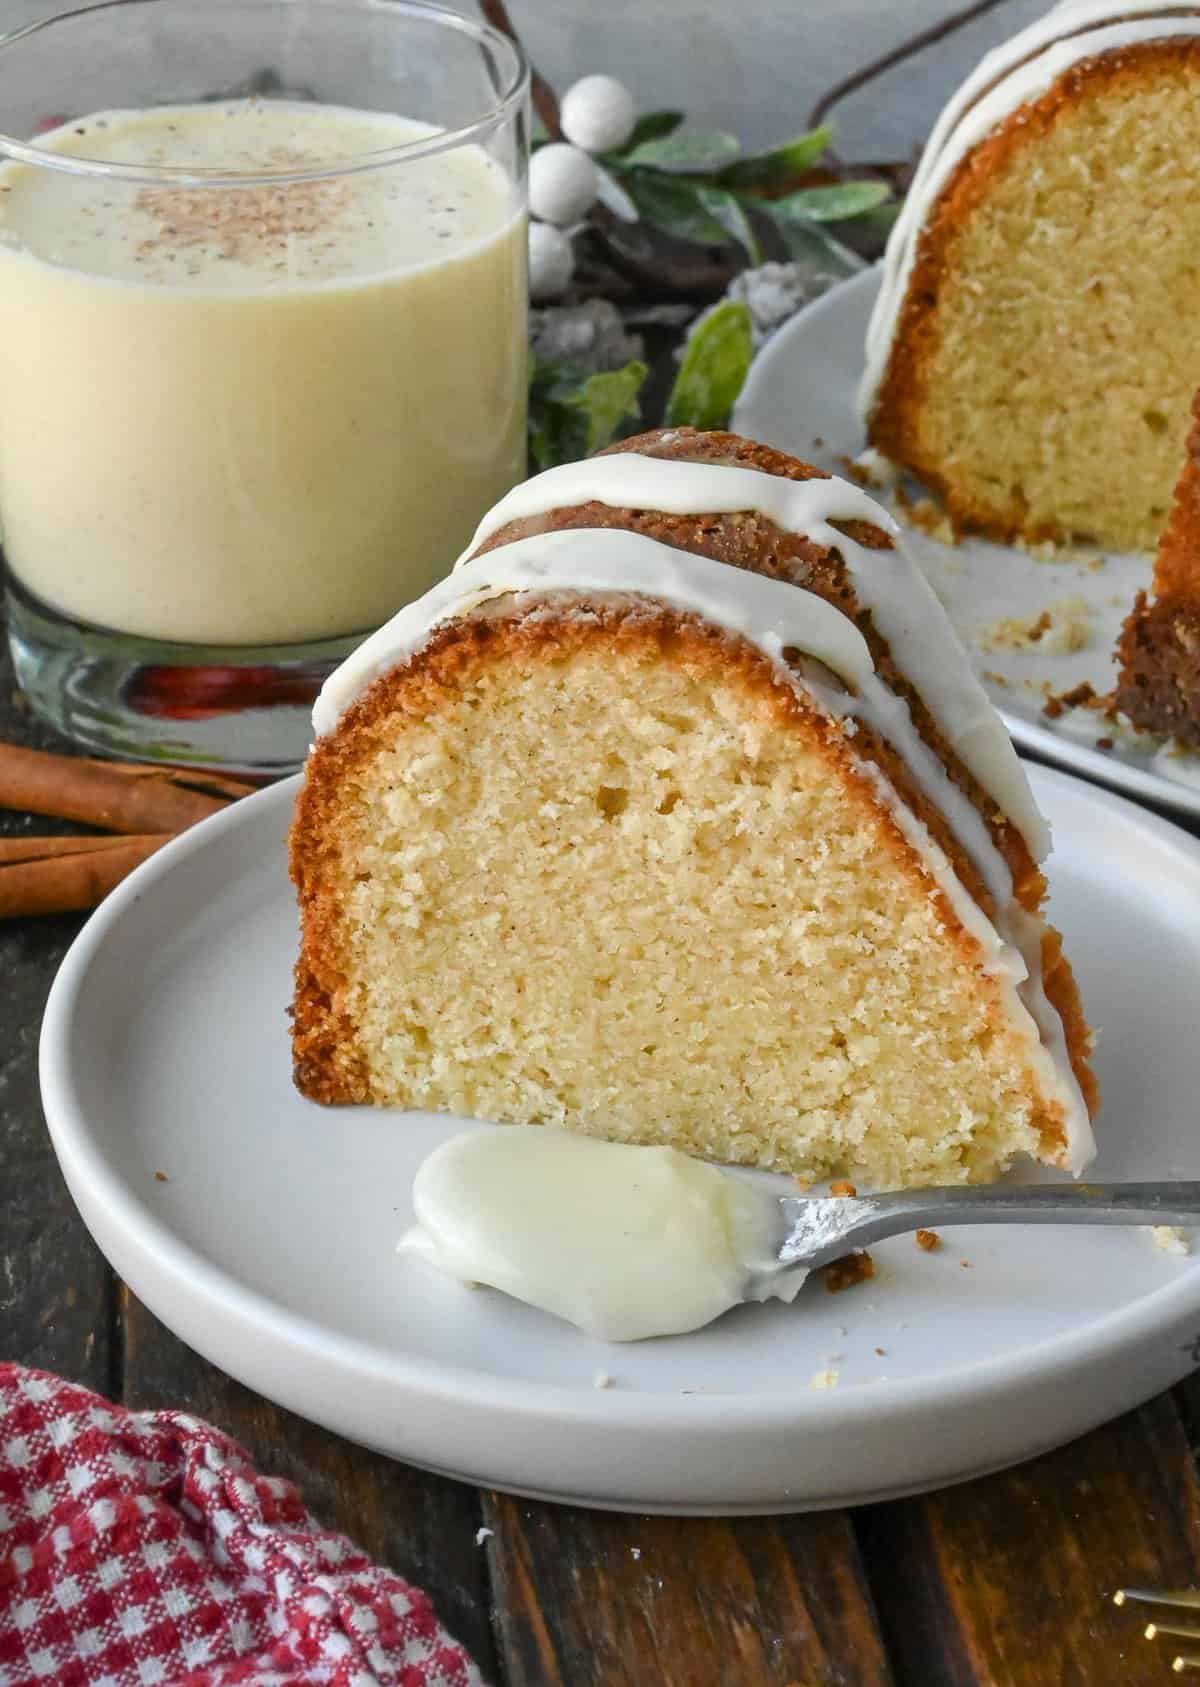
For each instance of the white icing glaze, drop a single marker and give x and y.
(625, 1242)
(1017, 71)
(902, 604)
(774, 616)
(770, 613)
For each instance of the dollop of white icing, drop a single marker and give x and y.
(625, 1242)
(902, 604)
(1017, 71)
(774, 616)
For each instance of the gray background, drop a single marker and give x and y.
(752, 66)
(756, 67)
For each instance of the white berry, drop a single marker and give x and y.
(562, 183)
(551, 261)
(598, 113)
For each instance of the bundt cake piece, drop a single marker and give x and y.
(675, 815)
(1159, 649)
(1036, 341)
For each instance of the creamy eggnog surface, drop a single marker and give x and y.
(254, 414)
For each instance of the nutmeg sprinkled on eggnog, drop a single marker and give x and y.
(254, 414)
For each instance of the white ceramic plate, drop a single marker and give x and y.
(800, 398)
(271, 1246)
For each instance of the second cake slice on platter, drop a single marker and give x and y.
(676, 815)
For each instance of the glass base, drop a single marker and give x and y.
(236, 708)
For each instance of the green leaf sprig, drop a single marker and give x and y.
(694, 184)
(716, 361)
(572, 413)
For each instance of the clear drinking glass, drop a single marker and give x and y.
(263, 354)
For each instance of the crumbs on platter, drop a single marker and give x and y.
(1170, 1238)
(1059, 550)
(1083, 696)
(871, 469)
(844, 1273)
(929, 516)
(1060, 629)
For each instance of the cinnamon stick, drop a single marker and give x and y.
(193, 778)
(68, 883)
(13, 850)
(98, 793)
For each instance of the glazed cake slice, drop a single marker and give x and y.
(1036, 340)
(675, 815)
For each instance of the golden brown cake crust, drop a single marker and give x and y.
(893, 424)
(327, 1065)
(1159, 647)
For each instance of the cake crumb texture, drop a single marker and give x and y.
(602, 869)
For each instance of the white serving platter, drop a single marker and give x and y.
(800, 397)
(270, 1247)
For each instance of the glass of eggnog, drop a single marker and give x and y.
(262, 350)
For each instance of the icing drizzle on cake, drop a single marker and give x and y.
(902, 604)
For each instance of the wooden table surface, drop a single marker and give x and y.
(1003, 1581)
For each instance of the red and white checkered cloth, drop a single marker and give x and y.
(141, 1549)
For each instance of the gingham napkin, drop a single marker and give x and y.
(141, 1549)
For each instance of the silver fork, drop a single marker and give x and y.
(813, 1230)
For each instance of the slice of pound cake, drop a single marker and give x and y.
(676, 815)
(1035, 344)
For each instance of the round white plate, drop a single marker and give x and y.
(270, 1247)
(800, 397)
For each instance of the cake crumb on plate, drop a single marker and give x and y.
(1170, 1238)
(1061, 629)
(844, 1273)
(929, 516)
